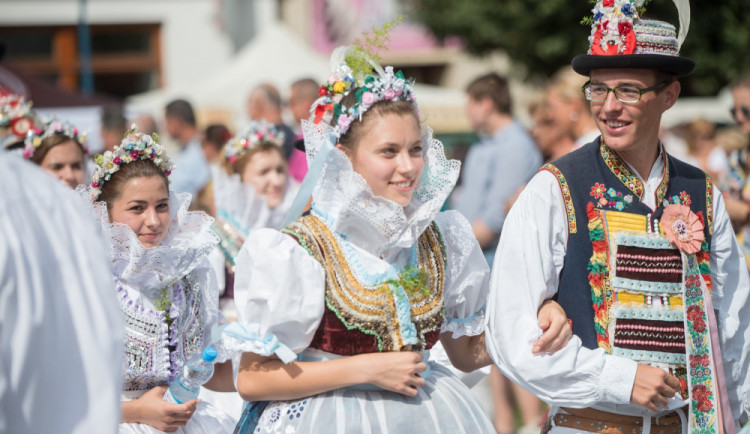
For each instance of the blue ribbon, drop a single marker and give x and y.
(311, 179)
(271, 344)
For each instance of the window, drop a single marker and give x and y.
(125, 59)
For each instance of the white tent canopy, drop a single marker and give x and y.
(274, 56)
(277, 56)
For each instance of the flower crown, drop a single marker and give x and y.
(253, 134)
(35, 137)
(134, 146)
(15, 114)
(386, 86)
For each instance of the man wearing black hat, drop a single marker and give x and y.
(638, 249)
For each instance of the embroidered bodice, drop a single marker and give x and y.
(167, 293)
(158, 342)
(366, 313)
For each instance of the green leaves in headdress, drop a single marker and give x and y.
(363, 54)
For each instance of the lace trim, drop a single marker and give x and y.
(373, 223)
(471, 326)
(188, 242)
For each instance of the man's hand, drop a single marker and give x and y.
(653, 387)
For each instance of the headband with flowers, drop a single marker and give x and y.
(49, 128)
(134, 146)
(357, 67)
(251, 136)
(16, 115)
(385, 87)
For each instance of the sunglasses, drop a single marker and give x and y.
(745, 112)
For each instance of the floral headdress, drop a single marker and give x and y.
(251, 136)
(15, 115)
(135, 146)
(34, 137)
(353, 67)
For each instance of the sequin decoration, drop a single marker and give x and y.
(372, 310)
(148, 338)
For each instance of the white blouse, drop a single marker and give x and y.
(280, 287)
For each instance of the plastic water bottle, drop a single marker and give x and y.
(196, 372)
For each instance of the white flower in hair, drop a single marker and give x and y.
(135, 146)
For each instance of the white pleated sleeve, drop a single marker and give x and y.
(279, 291)
(467, 277)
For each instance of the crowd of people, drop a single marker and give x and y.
(595, 263)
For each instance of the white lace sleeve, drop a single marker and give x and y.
(279, 290)
(467, 276)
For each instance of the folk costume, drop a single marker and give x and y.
(239, 208)
(362, 274)
(167, 293)
(638, 263)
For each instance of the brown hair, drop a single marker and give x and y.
(112, 189)
(49, 143)
(494, 87)
(357, 128)
(239, 164)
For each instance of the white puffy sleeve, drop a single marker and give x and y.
(279, 290)
(466, 279)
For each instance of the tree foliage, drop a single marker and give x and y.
(543, 35)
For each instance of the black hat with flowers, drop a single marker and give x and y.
(621, 40)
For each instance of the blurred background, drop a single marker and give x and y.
(75, 57)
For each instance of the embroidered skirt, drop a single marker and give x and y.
(443, 405)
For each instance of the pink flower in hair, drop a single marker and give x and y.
(368, 98)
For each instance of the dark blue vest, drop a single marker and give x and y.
(595, 174)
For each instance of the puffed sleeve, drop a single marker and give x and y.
(467, 276)
(279, 290)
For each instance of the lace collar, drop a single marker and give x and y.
(344, 200)
(238, 203)
(188, 242)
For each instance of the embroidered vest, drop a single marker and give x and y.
(154, 351)
(622, 282)
(362, 318)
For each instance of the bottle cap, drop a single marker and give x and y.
(209, 354)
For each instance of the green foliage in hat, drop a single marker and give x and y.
(366, 48)
(588, 20)
(541, 36)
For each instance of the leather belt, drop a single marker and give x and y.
(597, 421)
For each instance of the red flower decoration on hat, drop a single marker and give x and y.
(683, 228)
(624, 27)
(608, 3)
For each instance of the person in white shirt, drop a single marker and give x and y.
(638, 249)
(61, 340)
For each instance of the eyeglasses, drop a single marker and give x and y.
(745, 112)
(626, 93)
